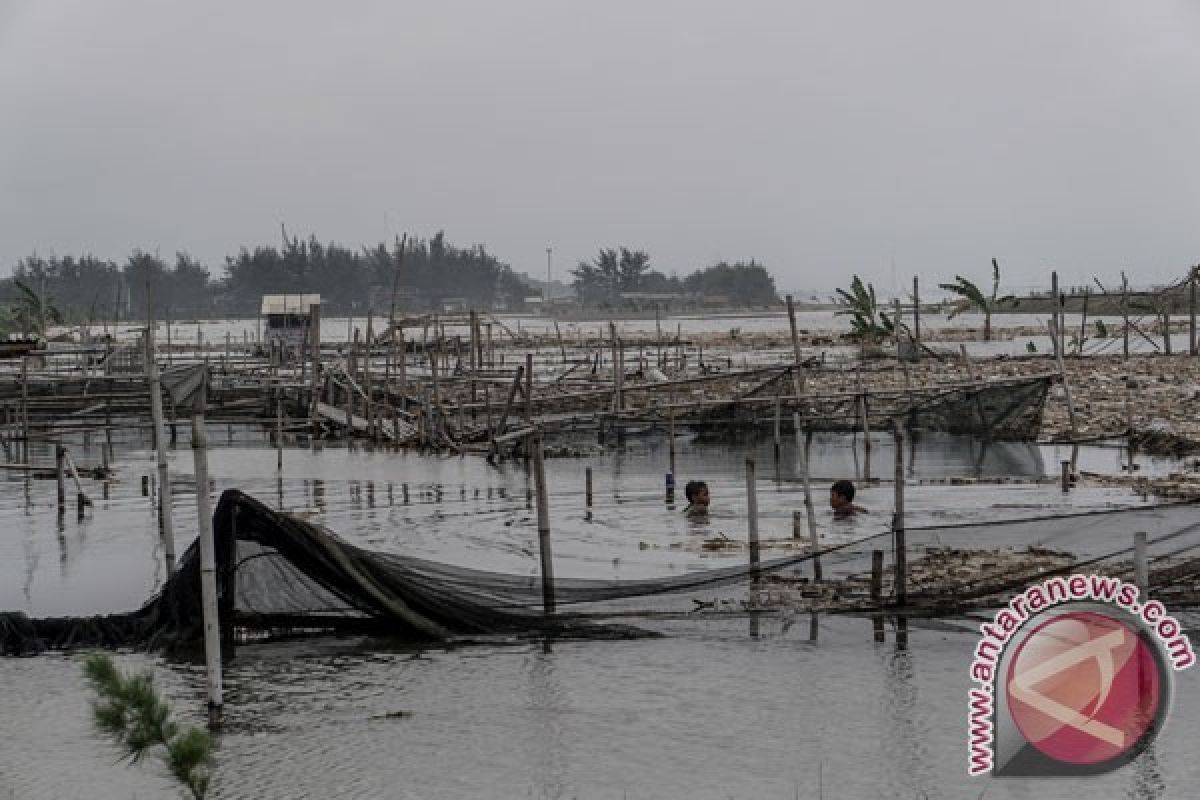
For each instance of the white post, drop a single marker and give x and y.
(208, 567)
(160, 441)
(809, 509)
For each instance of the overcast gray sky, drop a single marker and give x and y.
(822, 138)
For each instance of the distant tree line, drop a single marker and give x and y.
(619, 277)
(427, 273)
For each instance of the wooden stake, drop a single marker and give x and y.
(60, 458)
(809, 509)
(278, 431)
(314, 336)
(165, 517)
(752, 512)
(543, 517)
(1192, 312)
(916, 319)
(368, 406)
(901, 579)
(587, 487)
(508, 404)
(208, 569)
(473, 321)
(1062, 371)
(529, 388)
(876, 578)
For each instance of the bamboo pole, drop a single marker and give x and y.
(60, 458)
(80, 495)
(208, 570)
(809, 508)
(368, 406)
(916, 318)
(529, 388)
(165, 516)
(508, 403)
(402, 366)
(279, 431)
(798, 374)
(543, 523)
(658, 336)
(562, 348)
(1125, 313)
(901, 579)
(752, 513)
(1066, 384)
(314, 335)
(25, 409)
(1192, 312)
(473, 321)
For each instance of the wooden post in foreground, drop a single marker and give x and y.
(543, 523)
(898, 519)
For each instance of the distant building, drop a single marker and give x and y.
(287, 318)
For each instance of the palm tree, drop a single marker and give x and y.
(866, 320)
(33, 311)
(971, 297)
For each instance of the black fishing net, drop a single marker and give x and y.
(1008, 409)
(282, 574)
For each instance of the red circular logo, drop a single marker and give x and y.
(1084, 688)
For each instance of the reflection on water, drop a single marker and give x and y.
(706, 712)
(749, 707)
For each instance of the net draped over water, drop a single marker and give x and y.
(280, 573)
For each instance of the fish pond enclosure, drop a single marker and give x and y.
(454, 532)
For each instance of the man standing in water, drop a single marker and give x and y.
(696, 493)
(841, 500)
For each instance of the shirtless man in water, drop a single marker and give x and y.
(841, 500)
(696, 493)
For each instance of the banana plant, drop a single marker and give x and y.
(971, 297)
(33, 311)
(867, 321)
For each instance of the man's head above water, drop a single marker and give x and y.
(696, 493)
(841, 499)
